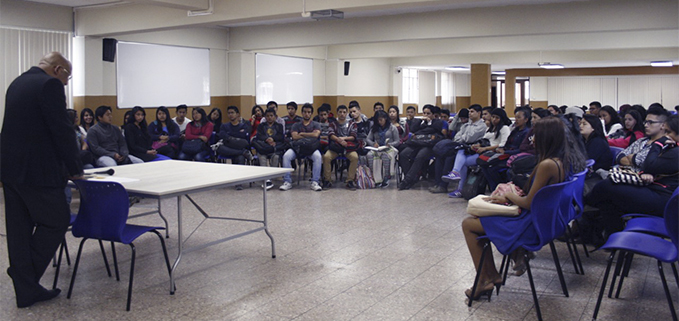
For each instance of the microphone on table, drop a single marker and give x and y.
(110, 171)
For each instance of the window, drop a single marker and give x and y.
(447, 89)
(411, 86)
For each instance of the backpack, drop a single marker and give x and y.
(364, 177)
(475, 183)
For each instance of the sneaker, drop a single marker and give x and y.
(438, 189)
(239, 187)
(452, 176)
(384, 184)
(455, 194)
(405, 185)
(316, 187)
(327, 184)
(350, 186)
(286, 186)
(269, 184)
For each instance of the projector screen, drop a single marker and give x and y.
(151, 75)
(283, 79)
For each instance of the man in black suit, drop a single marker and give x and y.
(38, 154)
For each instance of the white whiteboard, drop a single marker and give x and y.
(151, 75)
(283, 79)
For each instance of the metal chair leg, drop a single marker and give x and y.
(558, 268)
(129, 288)
(667, 291)
(532, 286)
(115, 261)
(625, 272)
(75, 268)
(584, 247)
(603, 285)
(570, 253)
(575, 249)
(103, 253)
(478, 273)
(58, 266)
(618, 268)
(676, 275)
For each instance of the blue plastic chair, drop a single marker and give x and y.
(615, 151)
(550, 211)
(102, 216)
(647, 245)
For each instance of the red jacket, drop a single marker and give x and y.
(192, 132)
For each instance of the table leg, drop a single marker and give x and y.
(179, 246)
(167, 227)
(266, 226)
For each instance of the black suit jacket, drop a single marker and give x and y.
(38, 144)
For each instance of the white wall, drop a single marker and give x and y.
(427, 88)
(33, 15)
(367, 77)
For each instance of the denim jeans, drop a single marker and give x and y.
(316, 159)
(462, 162)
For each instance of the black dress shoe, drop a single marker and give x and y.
(45, 295)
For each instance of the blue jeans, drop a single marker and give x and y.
(316, 159)
(445, 152)
(200, 157)
(106, 161)
(462, 162)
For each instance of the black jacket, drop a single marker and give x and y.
(663, 163)
(38, 144)
(138, 142)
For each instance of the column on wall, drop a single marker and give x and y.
(510, 93)
(480, 84)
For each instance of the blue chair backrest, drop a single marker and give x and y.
(579, 189)
(551, 210)
(615, 151)
(104, 207)
(672, 217)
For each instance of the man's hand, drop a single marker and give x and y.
(203, 138)
(119, 158)
(77, 177)
(164, 138)
(152, 152)
(647, 178)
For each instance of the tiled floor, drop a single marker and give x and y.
(342, 255)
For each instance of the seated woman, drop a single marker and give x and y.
(657, 157)
(611, 120)
(395, 120)
(215, 117)
(491, 167)
(164, 133)
(257, 116)
(86, 121)
(595, 142)
(634, 129)
(85, 156)
(383, 133)
(198, 133)
(497, 135)
(138, 139)
(557, 161)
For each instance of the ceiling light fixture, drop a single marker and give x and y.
(662, 63)
(329, 14)
(549, 65)
(499, 72)
(457, 68)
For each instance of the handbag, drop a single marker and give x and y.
(480, 207)
(193, 146)
(305, 146)
(264, 148)
(490, 156)
(504, 188)
(237, 143)
(483, 142)
(158, 144)
(424, 140)
(625, 175)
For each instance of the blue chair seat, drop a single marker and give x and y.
(652, 225)
(643, 244)
(131, 232)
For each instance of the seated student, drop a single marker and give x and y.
(445, 115)
(557, 162)
(496, 135)
(362, 125)
(395, 120)
(126, 118)
(412, 158)
(437, 115)
(377, 106)
(657, 157)
(445, 150)
(198, 133)
(291, 118)
(554, 110)
(215, 117)
(256, 119)
(181, 119)
(305, 135)
(269, 142)
(461, 118)
(274, 105)
(164, 133)
(137, 136)
(342, 134)
(595, 142)
(410, 116)
(634, 129)
(86, 121)
(107, 143)
(610, 119)
(324, 121)
(85, 155)
(235, 136)
(383, 133)
(491, 168)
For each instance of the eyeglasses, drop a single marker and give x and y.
(67, 72)
(651, 122)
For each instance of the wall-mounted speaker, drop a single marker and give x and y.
(346, 68)
(109, 49)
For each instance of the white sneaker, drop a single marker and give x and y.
(269, 184)
(286, 186)
(316, 187)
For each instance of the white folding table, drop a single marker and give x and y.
(167, 179)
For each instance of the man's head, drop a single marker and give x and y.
(342, 112)
(354, 109)
(475, 112)
(378, 106)
(486, 113)
(463, 116)
(272, 104)
(594, 108)
(55, 65)
(233, 113)
(323, 112)
(307, 111)
(445, 114)
(270, 115)
(292, 109)
(410, 112)
(655, 122)
(104, 114)
(181, 111)
(428, 112)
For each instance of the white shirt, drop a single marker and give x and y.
(182, 126)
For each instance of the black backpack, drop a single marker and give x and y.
(475, 183)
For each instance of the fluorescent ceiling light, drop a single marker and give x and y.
(499, 72)
(662, 64)
(457, 68)
(547, 65)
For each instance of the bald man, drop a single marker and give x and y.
(38, 154)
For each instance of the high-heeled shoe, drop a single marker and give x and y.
(480, 292)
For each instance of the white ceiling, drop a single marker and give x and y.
(80, 3)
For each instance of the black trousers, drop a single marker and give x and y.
(412, 160)
(36, 219)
